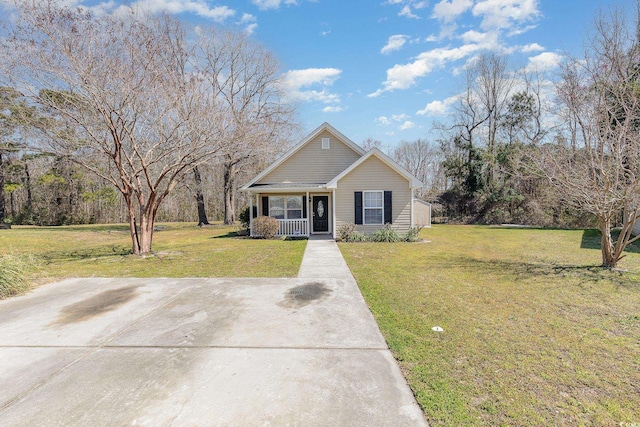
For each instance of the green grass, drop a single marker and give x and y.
(534, 333)
(180, 250)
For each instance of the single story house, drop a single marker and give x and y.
(326, 181)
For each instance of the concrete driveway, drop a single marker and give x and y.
(226, 352)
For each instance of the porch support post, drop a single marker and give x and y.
(333, 210)
(412, 208)
(308, 214)
(250, 214)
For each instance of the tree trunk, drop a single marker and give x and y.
(133, 230)
(12, 204)
(29, 203)
(229, 194)
(609, 260)
(202, 213)
(147, 221)
(2, 193)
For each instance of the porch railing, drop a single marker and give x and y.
(293, 227)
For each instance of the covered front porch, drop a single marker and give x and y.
(299, 211)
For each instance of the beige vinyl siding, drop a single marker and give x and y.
(421, 213)
(312, 164)
(373, 174)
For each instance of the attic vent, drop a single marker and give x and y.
(325, 143)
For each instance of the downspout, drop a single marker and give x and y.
(412, 208)
(250, 213)
(309, 212)
(333, 210)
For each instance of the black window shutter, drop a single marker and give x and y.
(304, 206)
(255, 212)
(387, 207)
(358, 206)
(265, 206)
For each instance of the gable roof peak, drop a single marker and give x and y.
(310, 137)
(413, 181)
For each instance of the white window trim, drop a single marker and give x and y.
(364, 208)
(286, 209)
(326, 143)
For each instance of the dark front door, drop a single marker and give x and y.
(320, 214)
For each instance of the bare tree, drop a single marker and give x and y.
(600, 173)
(255, 121)
(125, 105)
(370, 143)
(424, 161)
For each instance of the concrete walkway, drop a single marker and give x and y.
(216, 352)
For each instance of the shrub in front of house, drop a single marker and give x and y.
(265, 227)
(244, 219)
(386, 234)
(347, 233)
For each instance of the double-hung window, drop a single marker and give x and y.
(373, 206)
(276, 207)
(285, 207)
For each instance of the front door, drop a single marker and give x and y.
(320, 214)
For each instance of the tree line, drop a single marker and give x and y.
(134, 117)
(527, 148)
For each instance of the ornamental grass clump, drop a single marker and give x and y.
(413, 235)
(387, 234)
(14, 274)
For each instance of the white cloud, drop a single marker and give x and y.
(405, 75)
(198, 7)
(394, 42)
(295, 82)
(533, 47)
(501, 14)
(407, 125)
(437, 108)
(448, 11)
(399, 120)
(408, 7)
(250, 21)
(383, 121)
(310, 76)
(251, 28)
(544, 62)
(406, 12)
(266, 4)
(201, 8)
(247, 18)
(272, 4)
(488, 39)
(332, 109)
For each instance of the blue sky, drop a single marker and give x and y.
(386, 69)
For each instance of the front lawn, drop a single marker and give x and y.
(180, 250)
(534, 334)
